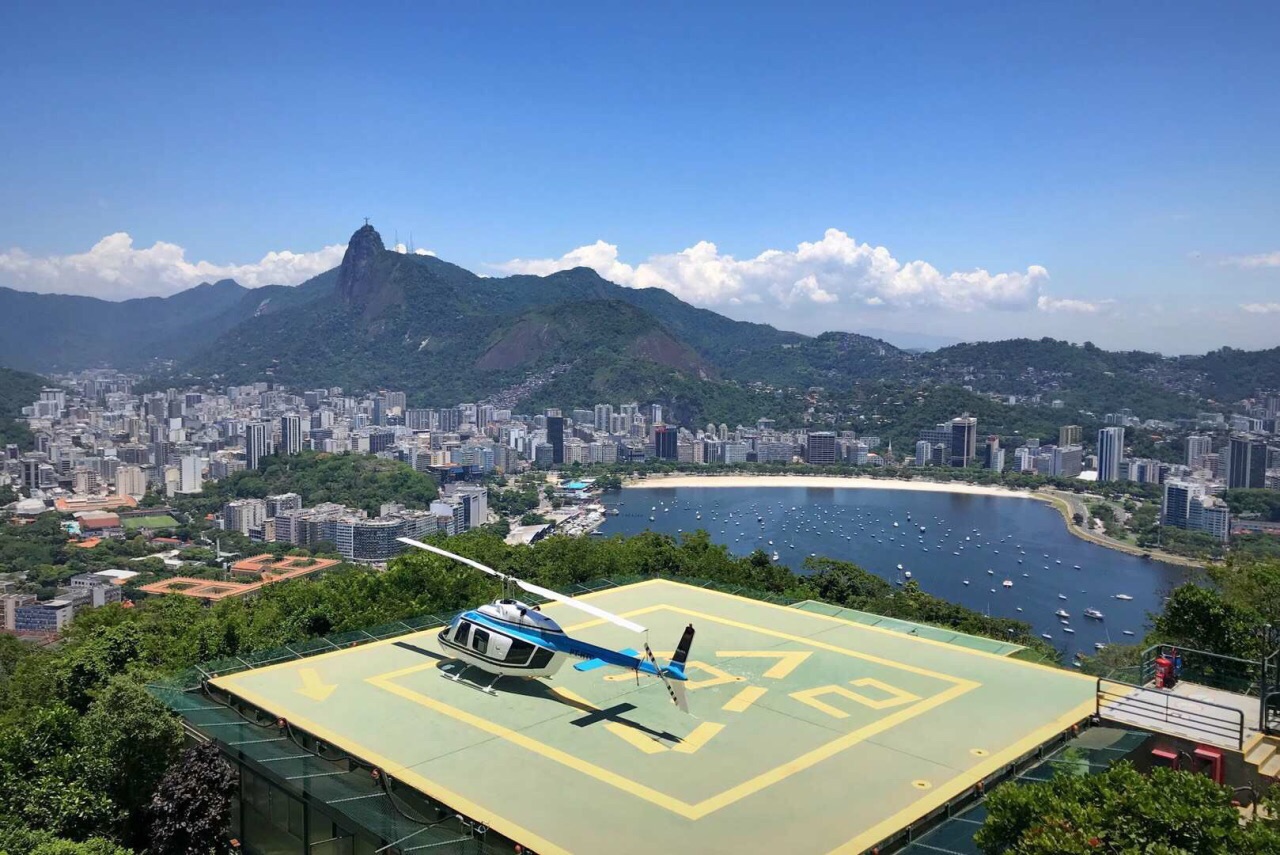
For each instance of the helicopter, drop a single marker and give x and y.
(510, 638)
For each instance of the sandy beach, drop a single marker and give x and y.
(825, 482)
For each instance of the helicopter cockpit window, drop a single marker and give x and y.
(519, 652)
(480, 641)
(460, 635)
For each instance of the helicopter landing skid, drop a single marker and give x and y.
(458, 678)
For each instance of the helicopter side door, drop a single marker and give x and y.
(498, 647)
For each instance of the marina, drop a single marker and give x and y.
(936, 540)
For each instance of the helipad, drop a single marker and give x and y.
(808, 733)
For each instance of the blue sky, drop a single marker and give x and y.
(1112, 167)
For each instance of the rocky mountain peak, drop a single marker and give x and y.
(355, 276)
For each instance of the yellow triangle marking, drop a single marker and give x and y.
(788, 660)
(312, 686)
(701, 735)
(647, 744)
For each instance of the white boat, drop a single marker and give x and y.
(1128, 632)
(1007, 583)
(1068, 630)
(1123, 597)
(1062, 613)
(1062, 596)
(1099, 645)
(907, 574)
(991, 572)
(966, 581)
(1046, 635)
(1093, 613)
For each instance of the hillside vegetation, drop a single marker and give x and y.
(17, 390)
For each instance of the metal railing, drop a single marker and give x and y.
(1229, 673)
(1181, 716)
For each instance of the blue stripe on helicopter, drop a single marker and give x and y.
(573, 647)
(593, 664)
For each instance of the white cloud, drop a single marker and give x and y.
(1262, 259)
(404, 250)
(1261, 308)
(114, 269)
(835, 269)
(1079, 307)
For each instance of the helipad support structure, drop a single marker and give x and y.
(808, 733)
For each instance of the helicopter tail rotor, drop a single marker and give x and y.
(672, 675)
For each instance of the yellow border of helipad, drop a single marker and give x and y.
(937, 795)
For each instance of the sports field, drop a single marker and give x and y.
(152, 521)
(808, 733)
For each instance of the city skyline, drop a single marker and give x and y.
(855, 181)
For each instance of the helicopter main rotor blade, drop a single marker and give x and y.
(545, 593)
(447, 554)
(549, 594)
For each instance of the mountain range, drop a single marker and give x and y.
(385, 319)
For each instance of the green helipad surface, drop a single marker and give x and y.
(809, 733)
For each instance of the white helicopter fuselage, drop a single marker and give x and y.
(507, 638)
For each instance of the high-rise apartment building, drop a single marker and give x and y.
(131, 481)
(1068, 461)
(243, 515)
(290, 434)
(1070, 435)
(1246, 463)
(604, 417)
(191, 478)
(992, 454)
(664, 442)
(964, 440)
(257, 443)
(1110, 451)
(278, 504)
(820, 448)
(1177, 502)
(555, 438)
(924, 453)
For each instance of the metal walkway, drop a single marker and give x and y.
(1189, 711)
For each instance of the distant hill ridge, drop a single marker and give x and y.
(419, 323)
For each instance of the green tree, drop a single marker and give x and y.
(136, 738)
(49, 780)
(1202, 618)
(17, 840)
(1119, 811)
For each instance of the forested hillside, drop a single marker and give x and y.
(17, 390)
